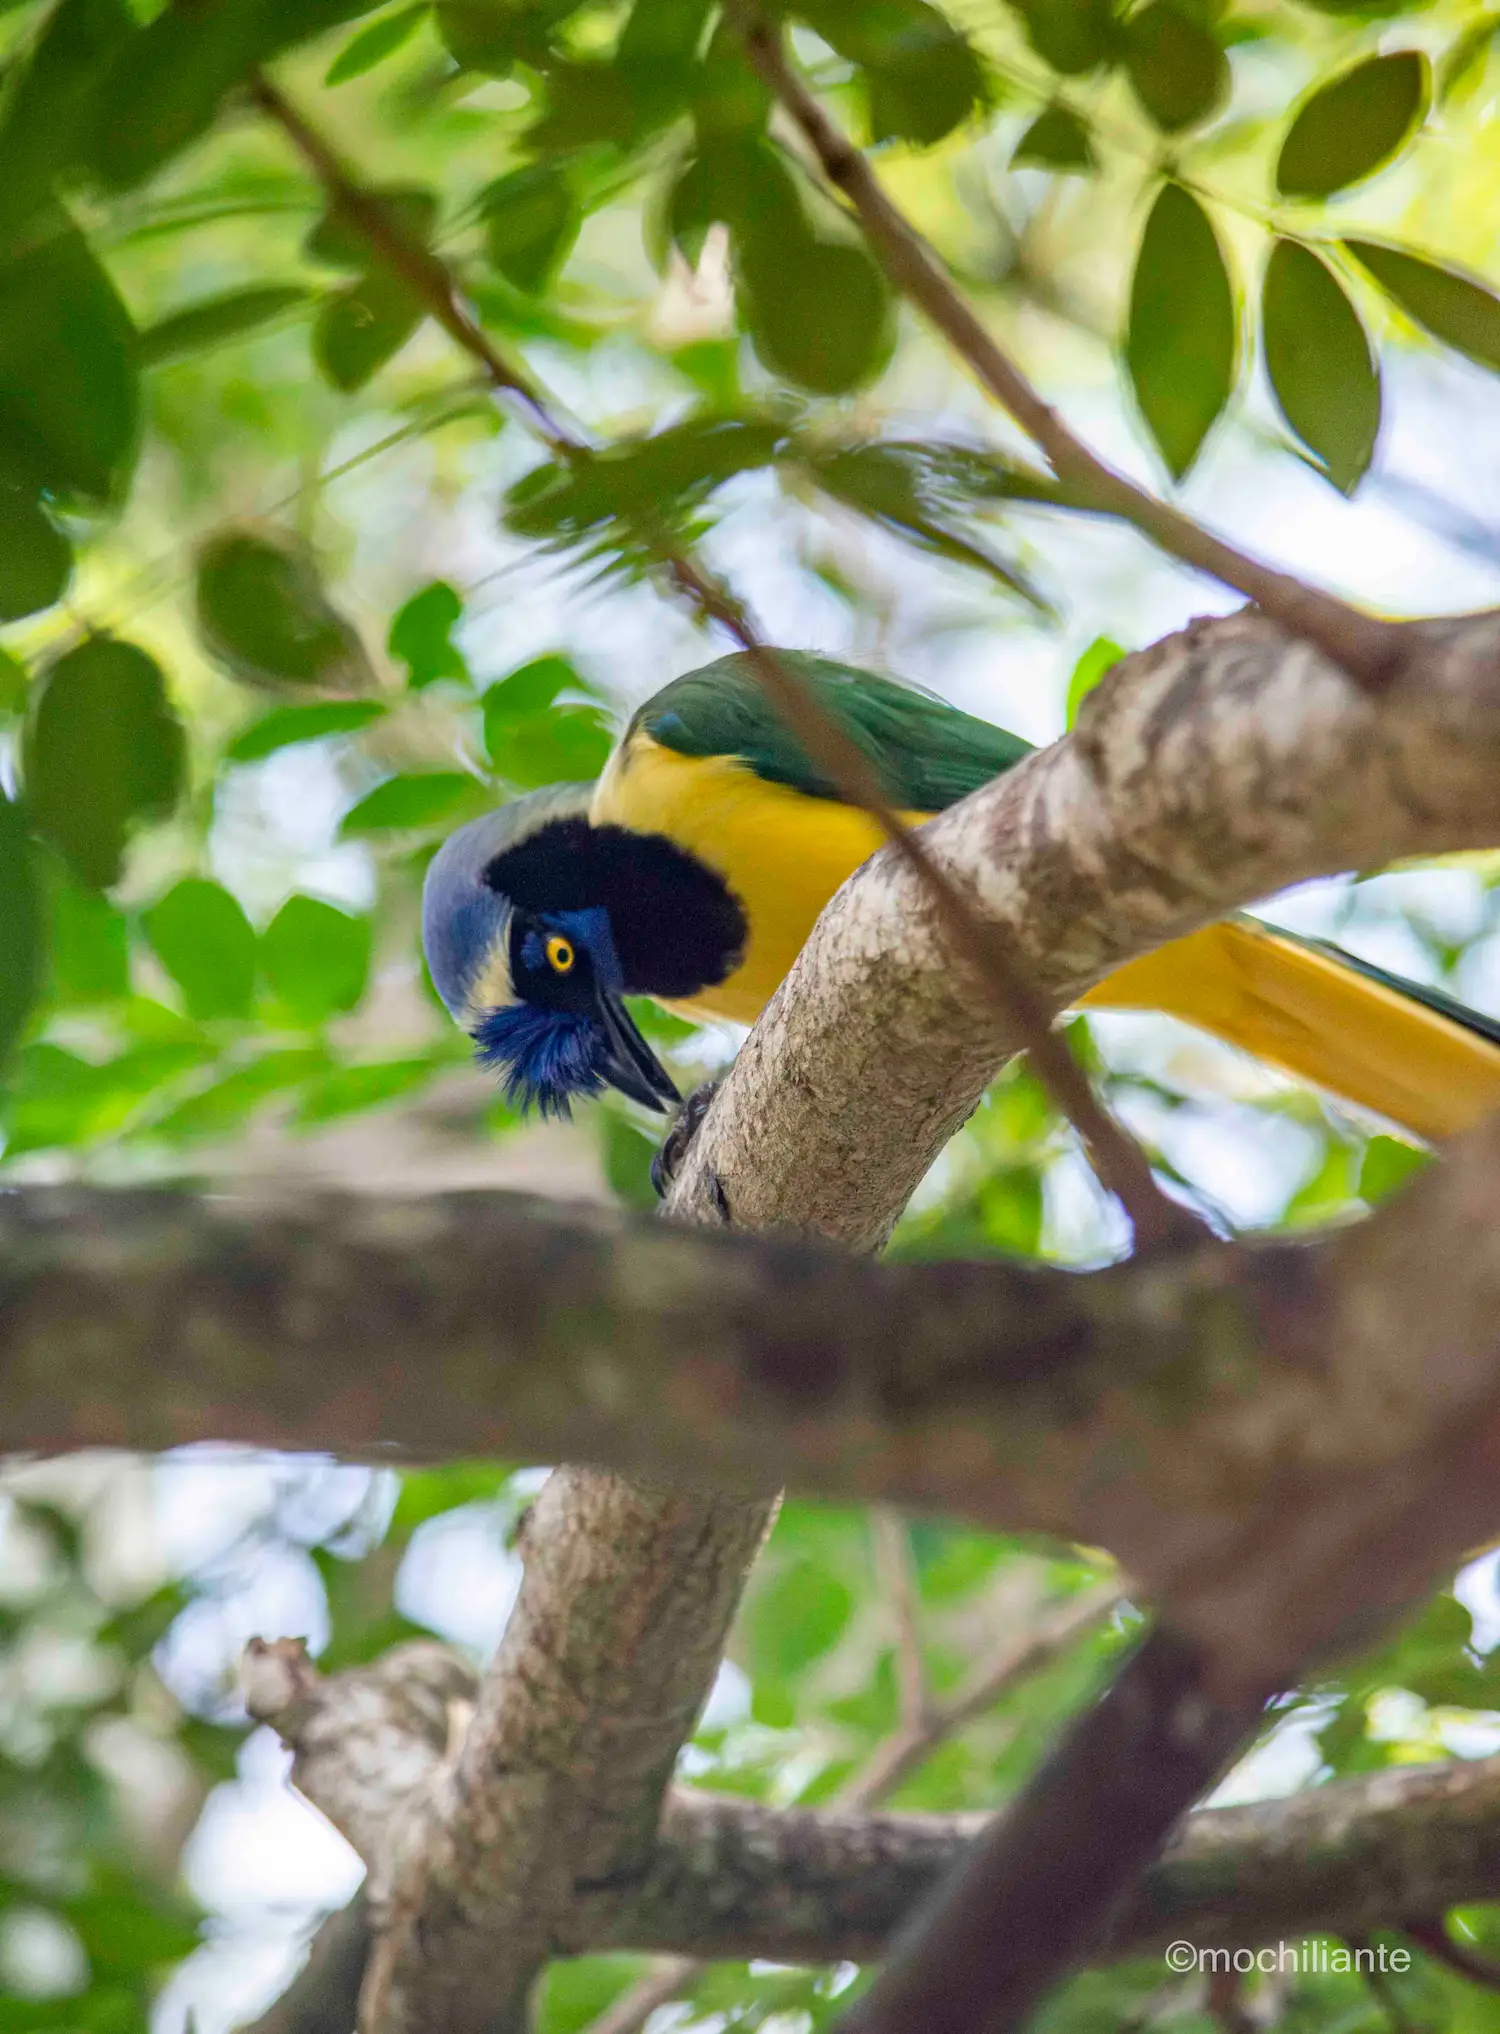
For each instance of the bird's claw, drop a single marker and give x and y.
(673, 1148)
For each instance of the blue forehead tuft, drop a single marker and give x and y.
(547, 1056)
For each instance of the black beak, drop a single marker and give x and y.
(627, 1062)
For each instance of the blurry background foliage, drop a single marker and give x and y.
(285, 597)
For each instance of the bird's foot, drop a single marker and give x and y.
(673, 1148)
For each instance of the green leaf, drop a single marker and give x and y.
(221, 1108)
(793, 1619)
(421, 635)
(416, 801)
(1455, 308)
(1354, 125)
(818, 311)
(339, 242)
(53, 103)
(490, 35)
(1388, 1164)
(1073, 36)
(215, 321)
(21, 949)
(1181, 347)
(1056, 140)
(36, 560)
(205, 942)
(349, 1090)
(265, 618)
(531, 688)
(69, 394)
(627, 1153)
(103, 752)
(358, 329)
(576, 1990)
(1320, 361)
(531, 219)
(1101, 656)
(641, 481)
(13, 683)
(316, 958)
(566, 745)
(90, 945)
(1176, 69)
(374, 44)
(587, 104)
(172, 75)
(285, 725)
(923, 78)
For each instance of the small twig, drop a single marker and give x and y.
(1372, 651)
(1472, 1964)
(898, 1583)
(1118, 1159)
(914, 1740)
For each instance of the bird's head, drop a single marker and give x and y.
(536, 925)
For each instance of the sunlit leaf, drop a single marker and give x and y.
(104, 752)
(215, 321)
(205, 942)
(531, 219)
(20, 928)
(264, 616)
(69, 398)
(286, 725)
(1321, 364)
(1388, 1164)
(1101, 656)
(90, 944)
(316, 958)
(416, 801)
(1057, 140)
(36, 560)
(1455, 308)
(1176, 69)
(421, 635)
(531, 688)
(13, 682)
(1354, 125)
(793, 1619)
(374, 44)
(1181, 346)
(565, 744)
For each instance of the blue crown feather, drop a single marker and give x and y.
(547, 1055)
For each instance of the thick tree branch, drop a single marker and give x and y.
(1370, 650)
(735, 1879)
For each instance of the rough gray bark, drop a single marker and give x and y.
(731, 1878)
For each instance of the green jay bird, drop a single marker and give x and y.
(693, 870)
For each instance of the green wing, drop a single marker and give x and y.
(929, 754)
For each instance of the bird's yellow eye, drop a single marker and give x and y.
(560, 954)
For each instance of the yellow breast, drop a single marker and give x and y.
(782, 853)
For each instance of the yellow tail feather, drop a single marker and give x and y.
(1299, 1010)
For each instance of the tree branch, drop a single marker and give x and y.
(1370, 650)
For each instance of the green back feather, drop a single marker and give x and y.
(928, 753)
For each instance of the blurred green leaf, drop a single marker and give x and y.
(90, 944)
(1320, 361)
(53, 104)
(417, 800)
(222, 1107)
(819, 312)
(794, 1618)
(531, 219)
(1102, 655)
(577, 1990)
(1176, 69)
(69, 399)
(923, 78)
(639, 483)
(1073, 36)
(530, 688)
(372, 45)
(588, 103)
(421, 635)
(1388, 1164)
(339, 242)
(1056, 140)
(566, 744)
(349, 1090)
(628, 1153)
(1182, 345)
(358, 329)
(14, 680)
(285, 725)
(265, 618)
(1452, 306)
(215, 321)
(205, 942)
(36, 560)
(316, 958)
(21, 949)
(104, 752)
(1354, 125)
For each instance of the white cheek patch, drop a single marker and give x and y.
(492, 988)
